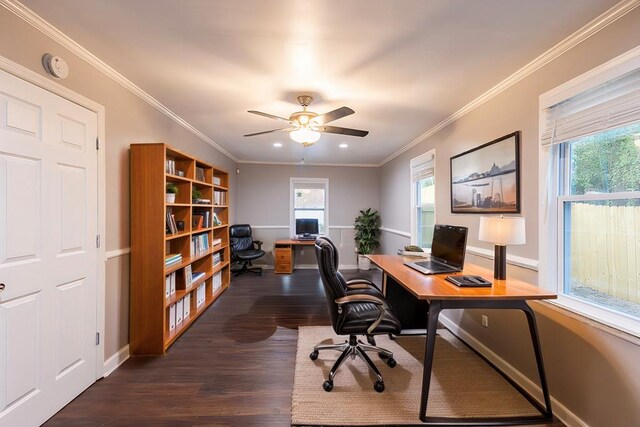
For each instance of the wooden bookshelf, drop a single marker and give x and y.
(155, 235)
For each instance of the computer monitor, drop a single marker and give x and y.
(306, 226)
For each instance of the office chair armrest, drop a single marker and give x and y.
(361, 284)
(365, 298)
(356, 281)
(258, 243)
(359, 298)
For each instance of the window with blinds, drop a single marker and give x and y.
(423, 199)
(590, 147)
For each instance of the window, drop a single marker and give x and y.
(590, 172)
(423, 193)
(309, 199)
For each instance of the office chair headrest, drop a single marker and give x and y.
(240, 230)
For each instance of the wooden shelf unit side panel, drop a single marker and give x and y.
(147, 279)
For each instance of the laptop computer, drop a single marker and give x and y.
(448, 248)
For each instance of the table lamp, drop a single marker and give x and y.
(501, 231)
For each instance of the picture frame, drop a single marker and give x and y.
(486, 179)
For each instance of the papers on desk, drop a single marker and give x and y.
(413, 254)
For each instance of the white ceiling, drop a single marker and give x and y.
(402, 65)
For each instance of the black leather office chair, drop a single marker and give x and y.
(244, 249)
(353, 313)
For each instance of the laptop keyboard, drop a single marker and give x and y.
(434, 266)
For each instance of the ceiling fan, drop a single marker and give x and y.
(305, 126)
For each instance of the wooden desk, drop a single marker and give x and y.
(284, 254)
(440, 294)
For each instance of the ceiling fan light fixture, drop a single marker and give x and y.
(305, 136)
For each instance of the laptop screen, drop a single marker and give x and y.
(449, 244)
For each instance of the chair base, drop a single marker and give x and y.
(353, 348)
(244, 268)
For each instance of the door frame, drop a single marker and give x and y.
(45, 83)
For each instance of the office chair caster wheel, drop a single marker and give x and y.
(391, 362)
(313, 355)
(379, 386)
(328, 386)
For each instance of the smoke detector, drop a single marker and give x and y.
(55, 66)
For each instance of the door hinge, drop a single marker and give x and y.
(97, 143)
(97, 338)
(97, 241)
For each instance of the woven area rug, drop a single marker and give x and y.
(462, 384)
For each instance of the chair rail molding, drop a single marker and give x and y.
(397, 232)
(117, 252)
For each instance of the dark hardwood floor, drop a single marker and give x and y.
(234, 366)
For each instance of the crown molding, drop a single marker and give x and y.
(65, 41)
(591, 28)
(355, 165)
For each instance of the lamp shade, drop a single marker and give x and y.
(501, 230)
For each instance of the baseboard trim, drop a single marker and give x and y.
(311, 266)
(559, 410)
(114, 362)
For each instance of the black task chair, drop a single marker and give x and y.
(244, 249)
(353, 313)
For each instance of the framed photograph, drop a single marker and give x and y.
(486, 179)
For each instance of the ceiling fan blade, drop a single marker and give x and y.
(332, 115)
(341, 131)
(271, 116)
(269, 131)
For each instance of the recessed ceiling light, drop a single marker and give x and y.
(277, 144)
(343, 145)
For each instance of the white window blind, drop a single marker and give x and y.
(607, 106)
(422, 167)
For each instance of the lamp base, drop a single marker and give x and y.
(500, 262)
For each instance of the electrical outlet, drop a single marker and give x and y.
(485, 321)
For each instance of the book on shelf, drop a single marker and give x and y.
(187, 306)
(179, 311)
(172, 228)
(188, 277)
(203, 201)
(172, 317)
(206, 216)
(172, 259)
(200, 295)
(217, 281)
(167, 285)
(170, 166)
(199, 244)
(217, 180)
(200, 174)
(197, 222)
(220, 198)
(197, 276)
(216, 242)
(216, 258)
(172, 284)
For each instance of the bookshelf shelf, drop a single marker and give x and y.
(166, 300)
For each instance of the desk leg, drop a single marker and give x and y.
(432, 325)
(535, 340)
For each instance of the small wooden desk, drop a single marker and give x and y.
(285, 254)
(441, 295)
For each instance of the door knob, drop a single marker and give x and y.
(1, 287)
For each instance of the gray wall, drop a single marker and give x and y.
(591, 372)
(264, 199)
(128, 120)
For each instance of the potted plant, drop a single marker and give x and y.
(367, 233)
(196, 195)
(171, 192)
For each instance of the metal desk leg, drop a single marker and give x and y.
(432, 324)
(535, 340)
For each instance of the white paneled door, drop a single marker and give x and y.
(48, 255)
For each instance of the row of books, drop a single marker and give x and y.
(220, 198)
(216, 258)
(217, 281)
(170, 284)
(170, 166)
(200, 219)
(199, 244)
(172, 228)
(172, 259)
(179, 312)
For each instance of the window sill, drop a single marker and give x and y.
(566, 307)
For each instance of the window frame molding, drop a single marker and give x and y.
(292, 185)
(422, 158)
(551, 174)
